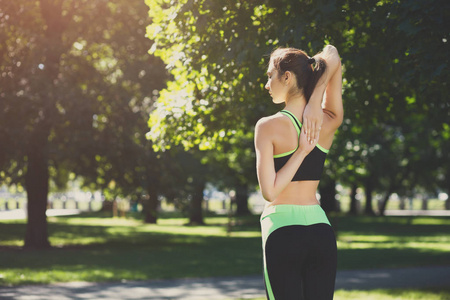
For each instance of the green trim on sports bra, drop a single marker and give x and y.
(322, 148)
(295, 121)
(285, 154)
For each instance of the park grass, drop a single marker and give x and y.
(94, 247)
(386, 242)
(389, 294)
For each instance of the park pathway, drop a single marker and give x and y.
(223, 288)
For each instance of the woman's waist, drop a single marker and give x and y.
(295, 201)
(298, 194)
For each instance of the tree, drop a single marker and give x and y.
(135, 79)
(32, 85)
(396, 85)
(58, 81)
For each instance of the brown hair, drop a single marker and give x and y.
(299, 63)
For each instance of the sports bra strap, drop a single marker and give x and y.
(294, 120)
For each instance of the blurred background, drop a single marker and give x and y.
(119, 114)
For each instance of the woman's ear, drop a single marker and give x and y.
(287, 77)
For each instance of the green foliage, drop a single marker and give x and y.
(383, 136)
(208, 102)
(393, 55)
(93, 95)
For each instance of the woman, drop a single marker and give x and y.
(298, 243)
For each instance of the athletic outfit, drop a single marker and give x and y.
(299, 245)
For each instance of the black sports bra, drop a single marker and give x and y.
(312, 166)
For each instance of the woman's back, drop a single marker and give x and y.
(285, 139)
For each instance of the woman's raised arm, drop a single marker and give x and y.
(332, 101)
(313, 114)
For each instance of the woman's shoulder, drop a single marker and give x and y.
(272, 123)
(273, 128)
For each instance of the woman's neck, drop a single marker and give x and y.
(296, 105)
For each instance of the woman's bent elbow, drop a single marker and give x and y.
(268, 196)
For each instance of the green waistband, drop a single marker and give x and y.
(277, 216)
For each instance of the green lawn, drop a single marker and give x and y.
(376, 242)
(93, 247)
(395, 294)
(390, 294)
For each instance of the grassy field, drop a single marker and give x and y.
(390, 294)
(95, 247)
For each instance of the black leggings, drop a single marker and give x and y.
(300, 260)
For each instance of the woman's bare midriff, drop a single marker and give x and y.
(298, 193)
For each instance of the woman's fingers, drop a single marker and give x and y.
(304, 143)
(312, 130)
(305, 127)
(307, 124)
(316, 132)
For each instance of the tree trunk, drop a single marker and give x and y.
(402, 203)
(368, 188)
(242, 200)
(195, 211)
(385, 200)
(37, 176)
(151, 207)
(328, 196)
(36, 183)
(384, 203)
(425, 203)
(353, 201)
(107, 205)
(114, 208)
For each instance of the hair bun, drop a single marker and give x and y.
(311, 60)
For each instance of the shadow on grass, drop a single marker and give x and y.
(115, 252)
(392, 249)
(158, 258)
(389, 258)
(390, 226)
